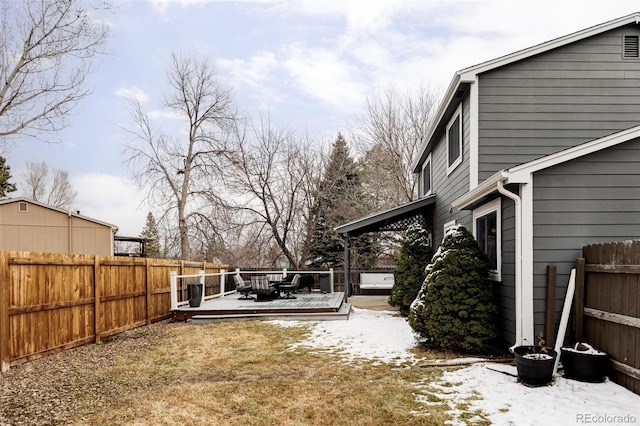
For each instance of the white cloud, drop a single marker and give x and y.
(132, 92)
(328, 77)
(250, 71)
(112, 199)
(162, 5)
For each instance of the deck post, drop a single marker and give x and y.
(201, 279)
(223, 276)
(347, 267)
(331, 279)
(284, 273)
(173, 279)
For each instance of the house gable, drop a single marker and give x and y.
(469, 80)
(556, 100)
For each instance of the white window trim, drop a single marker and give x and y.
(485, 209)
(458, 161)
(422, 191)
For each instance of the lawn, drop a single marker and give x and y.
(227, 373)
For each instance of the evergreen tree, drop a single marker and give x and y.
(415, 254)
(5, 175)
(151, 233)
(455, 309)
(341, 199)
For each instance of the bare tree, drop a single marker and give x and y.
(54, 190)
(46, 51)
(272, 181)
(35, 178)
(390, 137)
(180, 172)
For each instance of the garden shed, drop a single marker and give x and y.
(28, 225)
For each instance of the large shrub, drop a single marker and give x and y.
(415, 254)
(455, 309)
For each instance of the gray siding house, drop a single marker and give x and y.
(538, 154)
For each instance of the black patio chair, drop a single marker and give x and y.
(306, 280)
(289, 288)
(261, 287)
(243, 287)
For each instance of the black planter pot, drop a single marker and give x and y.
(195, 295)
(585, 367)
(535, 372)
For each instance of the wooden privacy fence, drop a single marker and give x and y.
(53, 302)
(606, 306)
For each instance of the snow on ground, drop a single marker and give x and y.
(381, 336)
(386, 337)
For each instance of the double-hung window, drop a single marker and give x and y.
(454, 140)
(486, 228)
(425, 181)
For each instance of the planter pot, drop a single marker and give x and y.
(195, 295)
(535, 372)
(586, 366)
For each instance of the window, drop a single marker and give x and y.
(631, 47)
(23, 207)
(454, 140)
(486, 228)
(426, 176)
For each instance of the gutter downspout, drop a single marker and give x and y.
(518, 260)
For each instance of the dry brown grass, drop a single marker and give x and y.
(241, 373)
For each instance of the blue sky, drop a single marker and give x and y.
(310, 64)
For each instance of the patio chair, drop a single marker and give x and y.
(291, 287)
(274, 277)
(306, 280)
(243, 287)
(261, 287)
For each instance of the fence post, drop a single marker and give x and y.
(202, 281)
(222, 281)
(5, 328)
(97, 283)
(550, 310)
(578, 303)
(173, 279)
(147, 301)
(331, 279)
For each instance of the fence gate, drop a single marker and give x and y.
(606, 306)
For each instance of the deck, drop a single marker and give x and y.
(314, 306)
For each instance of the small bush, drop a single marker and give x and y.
(415, 254)
(455, 309)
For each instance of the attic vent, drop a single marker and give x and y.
(23, 207)
(631, 47)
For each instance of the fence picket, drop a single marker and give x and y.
(611, 314)
(53, 302)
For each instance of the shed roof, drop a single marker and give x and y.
(57, 209)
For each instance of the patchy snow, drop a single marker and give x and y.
(380, 336)
(386, 337)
